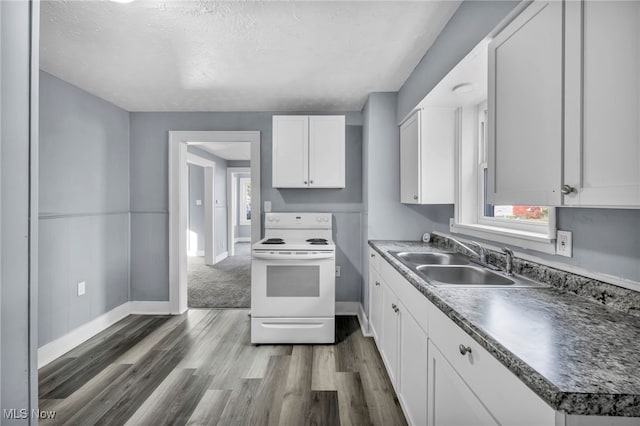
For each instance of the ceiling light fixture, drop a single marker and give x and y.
(463, 88)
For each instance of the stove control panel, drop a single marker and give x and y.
(298, 220)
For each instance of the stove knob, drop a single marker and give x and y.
(326, 219)
(319, 219)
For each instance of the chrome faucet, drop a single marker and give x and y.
(481, 254)
(508, 269)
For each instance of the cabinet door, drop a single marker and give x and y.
(389, 331)
(290, 151)
(375, 305)
(413, 365)
(450, 401)
(327, 151)
(603, 128)
(410, 160)
(437, 147)
(525, 108)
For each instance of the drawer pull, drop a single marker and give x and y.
(377, 282)
(395, 308)
(373, 255)
(464, 349)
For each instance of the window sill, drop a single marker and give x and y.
(527, 240)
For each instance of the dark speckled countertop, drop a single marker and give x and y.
(578, 356)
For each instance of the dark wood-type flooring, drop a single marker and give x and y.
(200, 369)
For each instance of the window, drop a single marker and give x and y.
(527, 226)
(245, 201)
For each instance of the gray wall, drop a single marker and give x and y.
(84, 207)
(472, 22)
(385, 217)
(149, 204)
(220, 196)
(196, 212)
(18, 374)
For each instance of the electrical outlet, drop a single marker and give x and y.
(82, 288)
(451, 223)
(198, 202)
(564, 244)
(338, 270)
(267, 206)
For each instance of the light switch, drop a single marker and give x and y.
(198, 202)
(267, 206)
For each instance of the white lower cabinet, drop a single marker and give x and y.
(450, 400)
(412, 368)
(375, 304)
(389, 340)
(436, 384)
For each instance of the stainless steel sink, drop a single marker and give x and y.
(417, 258)
(457, 270)
(463, 275)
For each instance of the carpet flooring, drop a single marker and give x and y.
(227, 284)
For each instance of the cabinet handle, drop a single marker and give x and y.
(377, 282)
(373, 255)
(310, 181)
(305, 182)
(395, 308)
(567, 189)
(415, 197)
(464, 349)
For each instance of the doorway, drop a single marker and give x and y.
(216, 144)
(218, 254)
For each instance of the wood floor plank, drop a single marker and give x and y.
(200, 368)
(69, 406)
(323, 409)
(235, 412)
(72, 376)
(324, 367)
(347, 329)
(351, 400)
(267, 405)
(297, 393)
(210, 408)
(384, 407)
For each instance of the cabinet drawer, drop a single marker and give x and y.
(415, 302)
(374, 259)
(506, 397)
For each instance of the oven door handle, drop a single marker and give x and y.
(313, 256)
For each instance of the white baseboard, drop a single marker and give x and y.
(150, 308)
(64, 344)
(364, 322)
(221, 257)
(242, 240)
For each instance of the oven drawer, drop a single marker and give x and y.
(292, 330)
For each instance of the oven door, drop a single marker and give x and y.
(294, 284)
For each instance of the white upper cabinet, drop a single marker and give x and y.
(525, 109)
(602, 121)
(308, 151)
(427, 156)
(567, 137)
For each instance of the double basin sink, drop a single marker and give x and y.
(457, 270)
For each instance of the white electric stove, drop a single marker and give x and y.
(293, 280)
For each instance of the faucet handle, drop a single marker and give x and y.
(482, 252)
(509, 261)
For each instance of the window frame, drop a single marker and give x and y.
(469, 218)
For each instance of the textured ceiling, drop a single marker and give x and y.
(238, 55)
